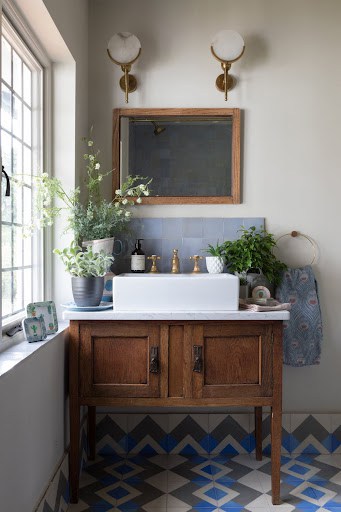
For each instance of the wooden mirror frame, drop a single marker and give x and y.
(234, 198)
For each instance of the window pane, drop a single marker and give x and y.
(6, 246)
(17, 247)
(6, 61)
(27, 206)
(17, 192)
(6, 208)
(6, 293)
(17, 158)
(27, 171)
(27, 125)
(6, 151)
(17, 117)
(27, 85)
(17, 77)
(27, 286)
(6, 108)
(28, 250)
(18, 291)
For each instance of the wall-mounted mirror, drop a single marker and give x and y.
(193, 155)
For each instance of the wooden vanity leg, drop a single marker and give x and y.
(276, 435)
(74, 449)
(92, 432)
(276, 414)
(74, 411)
(258, 432)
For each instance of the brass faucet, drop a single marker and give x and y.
(196, 258)
(175, 262)
(154, 269)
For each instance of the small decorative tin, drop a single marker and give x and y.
(34, 328)
(47, 310)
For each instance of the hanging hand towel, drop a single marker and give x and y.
(302, 334)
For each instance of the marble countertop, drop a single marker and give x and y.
(111, 314)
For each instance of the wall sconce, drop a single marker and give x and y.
(124, 49)
(227, 47)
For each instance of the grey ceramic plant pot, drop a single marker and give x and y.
(87, 291)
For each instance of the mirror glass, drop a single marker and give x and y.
(192, 155)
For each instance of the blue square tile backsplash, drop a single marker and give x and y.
(190, 235)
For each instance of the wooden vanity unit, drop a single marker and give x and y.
(233, 361)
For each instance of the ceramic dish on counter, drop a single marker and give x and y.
(47, 310)
(71, 306)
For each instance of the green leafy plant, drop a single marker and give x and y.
(85, 263)
(254, 249)
(97, 218)
(215, 250)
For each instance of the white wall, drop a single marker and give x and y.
(289, 91)
(33, 425)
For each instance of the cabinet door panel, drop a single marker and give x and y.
(236, 360)
(120, 352)
(232, 360)
(115, 359)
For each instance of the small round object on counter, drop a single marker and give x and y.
(261, 292)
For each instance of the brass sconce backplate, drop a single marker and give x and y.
(220, 82)
(132, 83)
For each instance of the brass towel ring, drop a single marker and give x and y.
(295, 234)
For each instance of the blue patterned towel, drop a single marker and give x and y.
(302, 334)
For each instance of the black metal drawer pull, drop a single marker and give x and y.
(154, 366)
(197, 355)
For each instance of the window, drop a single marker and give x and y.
(21, 152)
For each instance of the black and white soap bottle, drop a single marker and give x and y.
(138, 258)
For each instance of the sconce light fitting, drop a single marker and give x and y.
(124, 49)
(227, 47)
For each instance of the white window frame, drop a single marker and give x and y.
(25, 39)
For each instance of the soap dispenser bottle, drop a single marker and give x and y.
(138, 258)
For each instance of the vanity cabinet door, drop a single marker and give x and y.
(119, 359)
(232, 360)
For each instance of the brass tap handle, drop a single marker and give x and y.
(175, 262)
(153, 257)
(196, 258)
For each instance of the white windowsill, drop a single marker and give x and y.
(18, 351)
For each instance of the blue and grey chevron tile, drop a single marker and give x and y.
(204, 463)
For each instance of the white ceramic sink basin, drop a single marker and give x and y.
(175, 292)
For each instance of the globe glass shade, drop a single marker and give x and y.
(124, 47)
(228, 45)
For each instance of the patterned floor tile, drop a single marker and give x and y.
(175, 483)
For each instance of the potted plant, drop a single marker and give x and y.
(214, 262)
(97, 218)
(253, 250)
(87, 269)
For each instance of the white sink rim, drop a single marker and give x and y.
(175, 292)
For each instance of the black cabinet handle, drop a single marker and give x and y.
(197, 356)
(154, 366)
